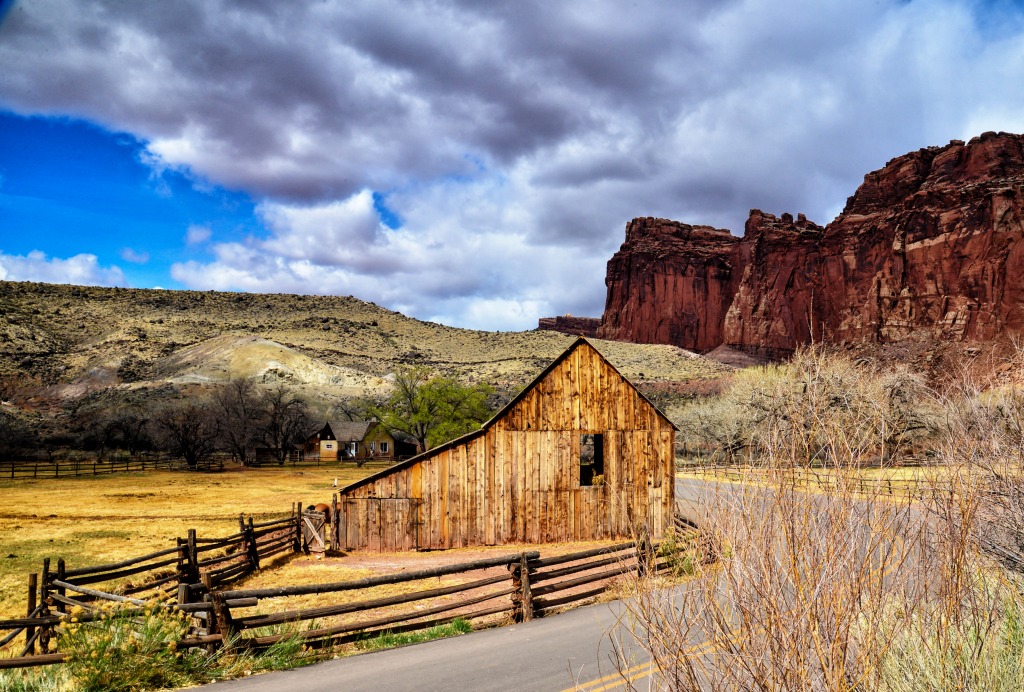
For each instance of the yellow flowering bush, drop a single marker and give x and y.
(126, 649)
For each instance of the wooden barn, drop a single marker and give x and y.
(579, 454)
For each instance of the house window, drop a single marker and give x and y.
(352, 448)
(373, 448)
(383, 447)
(591, 459)
(328, 445)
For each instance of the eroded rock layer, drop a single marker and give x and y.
(932, 241)
(570, 324)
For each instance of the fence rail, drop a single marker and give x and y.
(178, 577)
(30, 468)
(821, 479)
(519, 586)
(24, 469)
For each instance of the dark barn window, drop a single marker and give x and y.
(591, 459)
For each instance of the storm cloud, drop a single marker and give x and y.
(511, 141)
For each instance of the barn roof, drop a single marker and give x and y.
(501, 413)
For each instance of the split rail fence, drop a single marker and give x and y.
(180, 577)
(513, 587)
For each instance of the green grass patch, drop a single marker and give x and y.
(390, 640)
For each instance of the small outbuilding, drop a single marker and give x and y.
(579, 454)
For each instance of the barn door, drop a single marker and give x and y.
(314, 532)
(382, 524)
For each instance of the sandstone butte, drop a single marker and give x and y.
(933, 241)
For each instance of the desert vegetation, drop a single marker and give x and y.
(845, 587)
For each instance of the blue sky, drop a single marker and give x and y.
(465, 163)
(68, 187)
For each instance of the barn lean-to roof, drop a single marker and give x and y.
(502, 412)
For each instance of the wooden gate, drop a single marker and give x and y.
(379, 523)
(314, 532)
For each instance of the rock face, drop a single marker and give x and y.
(570, 324)
(933, 241)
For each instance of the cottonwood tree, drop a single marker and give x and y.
(433, 410)
(188, 430)
(241, 413)
(287, 420)
(131, 431)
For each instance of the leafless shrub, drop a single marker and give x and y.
(836, 590)
(882, 415)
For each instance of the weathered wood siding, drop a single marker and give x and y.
(518, 480)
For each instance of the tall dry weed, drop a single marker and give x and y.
(837, 590)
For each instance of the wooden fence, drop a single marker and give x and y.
(822, 480)
(21, 469)
(514, 587)
(179, 576)
(15, 470)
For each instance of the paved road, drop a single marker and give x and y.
(556, 653)
(544, 654)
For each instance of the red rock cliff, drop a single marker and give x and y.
(933, 241)
(669, 283)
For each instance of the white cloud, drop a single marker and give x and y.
(514, 140)
(197, 235)
(130, 255)
(81, 269)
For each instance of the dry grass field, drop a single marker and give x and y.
(97, 519)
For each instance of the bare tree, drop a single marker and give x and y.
(131, 431)
(824, 584)
(287, 420)
(241, 414)
(188, 430)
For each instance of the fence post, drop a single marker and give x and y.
(220, 619)
(522, 598)
(182, 566)
(184, 595)
(251, 547)
(334, 523)
(644, 552)
(44, 597)
(30, 632)
(193, 557)
(61, 607)
(297, 543)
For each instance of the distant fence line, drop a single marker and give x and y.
(27, 468)
(820, 479)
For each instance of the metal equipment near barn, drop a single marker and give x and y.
(579, 454)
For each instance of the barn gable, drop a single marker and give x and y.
(579, 454)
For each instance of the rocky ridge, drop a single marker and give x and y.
(932, 242)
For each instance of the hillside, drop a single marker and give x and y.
(62, 342)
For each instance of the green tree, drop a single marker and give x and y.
(433, 409)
